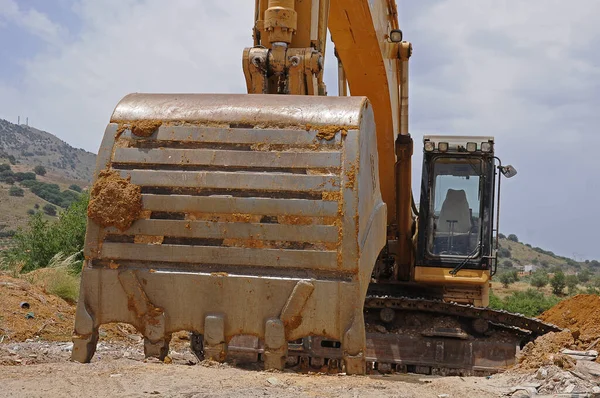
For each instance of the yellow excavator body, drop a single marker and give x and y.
(279, 225)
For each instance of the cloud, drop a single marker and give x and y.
(33, 21)
(526, 72)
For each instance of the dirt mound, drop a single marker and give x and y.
(545, 350)
(580, 313)
(45, 316)
(114, 201)
(41, 314)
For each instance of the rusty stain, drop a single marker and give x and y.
(331, 196)
(293, 323)
(149, 239)
(351, 175)
(113, 265)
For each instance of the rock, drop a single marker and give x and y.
(541, 374)
(596, 390)
(443, 395)
(274, 381)
(380, 328)
(569, 388)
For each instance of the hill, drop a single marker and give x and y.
(520, 254)
(31, 147)
(66, 170)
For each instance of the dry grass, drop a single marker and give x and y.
(57, 278)
(520, 286)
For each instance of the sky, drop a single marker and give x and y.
(525, 72)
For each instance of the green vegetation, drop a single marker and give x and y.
(508, 277)
(74, 187)
(558, 282)
(513, 237)
(16, 191)
(52, 193)
(62, 282)
(529, 303)
(28, 176)
(539, 279)
(49, 209)
(39, 170)
(571, 281)
(36, 246)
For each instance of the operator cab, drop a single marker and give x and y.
(457, 202)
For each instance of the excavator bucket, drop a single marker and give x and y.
(234, 216)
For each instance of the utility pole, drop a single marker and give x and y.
(18, 120)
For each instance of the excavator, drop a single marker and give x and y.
(279, 226)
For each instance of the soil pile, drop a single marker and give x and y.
(27, 311)
(114, 201)
(580, 313)
(545, 350)
(580, 317)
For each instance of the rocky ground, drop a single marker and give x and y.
(35, 348)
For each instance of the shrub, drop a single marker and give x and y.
(39, 170)
(504, 253)
(49, 209)
(558, 282)
(16, 191)
(513, 238)
(508, 277)
(571, 281)
(539, 279)
(4, 167)
(36, 245)
(52, 193)
(31, 212)
(584, 276)
(501, 236)
(507, 263)
(529, 303)
(75, 188)
(24, 176)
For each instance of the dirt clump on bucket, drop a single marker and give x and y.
(114, 201)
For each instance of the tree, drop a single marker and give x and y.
(49, 209)
(539, 279)
(16, 191)
(39, 170)
(584, 276)
(507, 263)
(75, 188)
(504, 253)
(501, 236)
(571, 282)
(513, 238)
(508, 277)
(31, 212)
(4, 167)
(36, 206)
(558, 282)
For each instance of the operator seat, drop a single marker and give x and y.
(455, 208)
